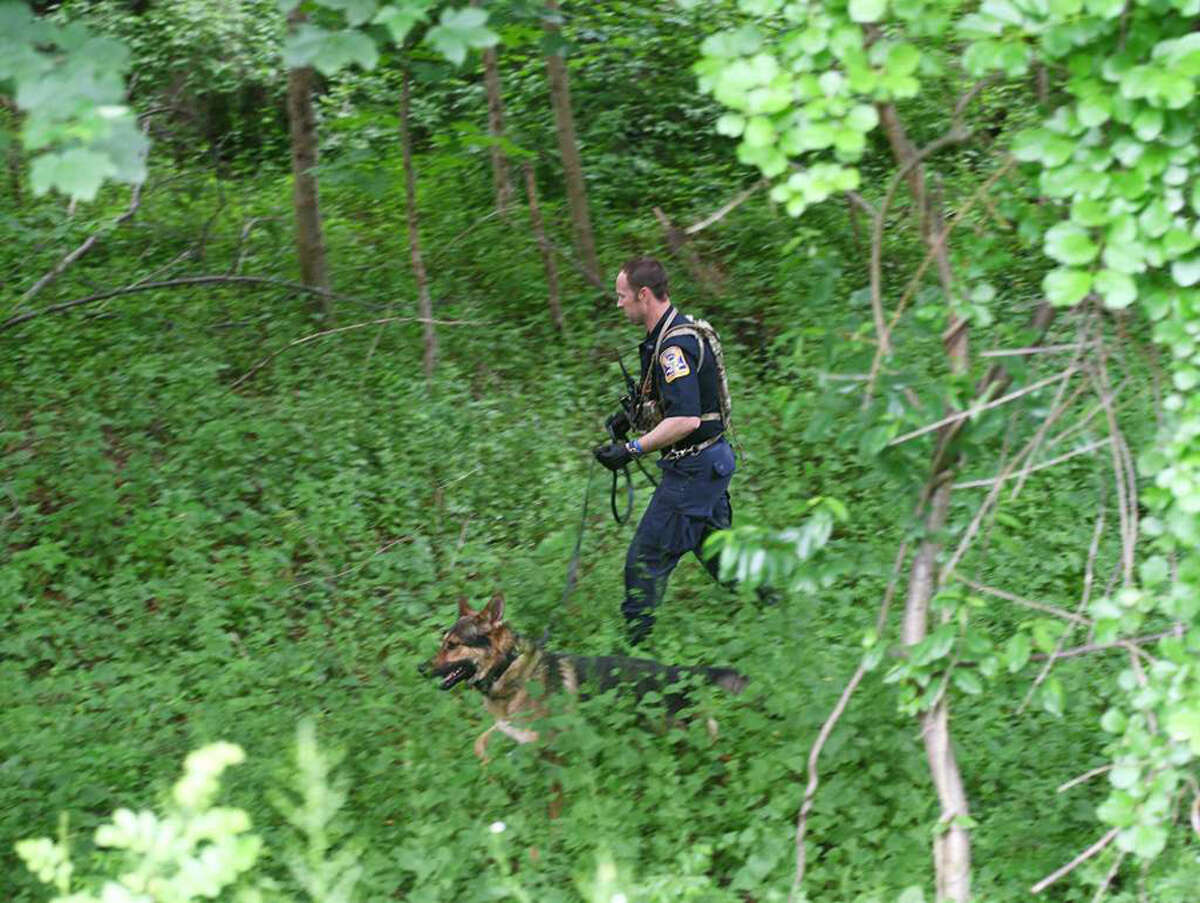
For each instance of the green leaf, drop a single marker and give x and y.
(356, 11)
(77, 173)
(1094, 110)
(1117, 289)
(862, 118)
(1154, 571)
(1065, 287)
(759, 132)
(902, 59)
(1144, 841)
(1017, 651)
(912, 894)
(329, 51)
(400, 18)
(458, 31)
(1068, 243)
(731, 124)
(1053, 697)
(968, 682)
(867, 10)
(1186, 272)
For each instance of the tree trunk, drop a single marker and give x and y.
(568, 146)
(501, 178)
(931, 224)
(425, 303)
(952, 843)
(535, 220)
(310, 240)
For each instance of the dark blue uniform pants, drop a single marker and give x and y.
(691, 501)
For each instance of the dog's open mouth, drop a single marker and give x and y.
(456, 673)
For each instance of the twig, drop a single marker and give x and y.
(1027, 603)
(971, 412)
(135, 201)
(328, 332)
(724, 211)
(181, 282)
(935, 248)
(991, 481)
(1088, 572)
(1076, 862)
(814, 778)
(1086, 776)
(1112, 873)
(1124, 499)
(358, 567)
(1016, 352)
(1133, 643)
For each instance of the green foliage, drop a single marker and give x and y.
(70, 85)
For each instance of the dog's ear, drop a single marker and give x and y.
(463, 608)
(495, 609)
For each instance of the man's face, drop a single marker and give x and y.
(629, 301)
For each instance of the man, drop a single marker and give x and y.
(683, 382)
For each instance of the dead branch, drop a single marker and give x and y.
(1016, 352)
(135, 201)
(937, 246)
(1088, 572)
(1026, 603)
(704, 275)
(814, 754)
(328, 332)
(977, 409)
(1076, 862)
(991, 481)
(725, 210)
(181, 282)
(1108, 878)
(1135, 643)
(1086, 776)
(1126, 494)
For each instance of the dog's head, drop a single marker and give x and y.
(478, 642)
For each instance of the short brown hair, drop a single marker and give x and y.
(646, 272)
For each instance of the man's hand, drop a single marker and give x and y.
(614, 455)
(618, 425)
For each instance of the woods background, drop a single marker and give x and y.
(308, 327)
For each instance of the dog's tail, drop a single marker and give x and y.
(727, 679)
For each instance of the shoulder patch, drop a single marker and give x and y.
(674, 364)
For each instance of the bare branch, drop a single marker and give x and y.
(181, 282)
(1086, 776)
(972, 411)
(1043, 349)
(814, 777)
(991, 481)
(1097, 531)
(1076, 862)
(328, 332)
(1026, 603)
(1108, 878)
(135, 201)
(724, 211)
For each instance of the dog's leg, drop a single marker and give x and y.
(481, 743)
(521, 736)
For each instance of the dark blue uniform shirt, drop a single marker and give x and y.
(682, 388)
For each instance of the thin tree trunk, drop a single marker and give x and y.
(501, 177)
(539, 232)
(952, 843)
(310, 239)
(568, 146)
(414, 237)
(931, 224)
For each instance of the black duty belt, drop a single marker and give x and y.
(676, 453)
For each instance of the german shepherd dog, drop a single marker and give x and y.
(482, 651)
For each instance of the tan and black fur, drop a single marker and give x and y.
(482, 651)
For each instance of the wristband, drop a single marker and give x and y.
(634, 447)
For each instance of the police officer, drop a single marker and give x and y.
(680, 383)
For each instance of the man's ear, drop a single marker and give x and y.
(495, 609)
(463, 608)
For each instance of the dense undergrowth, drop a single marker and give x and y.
(190, 556)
